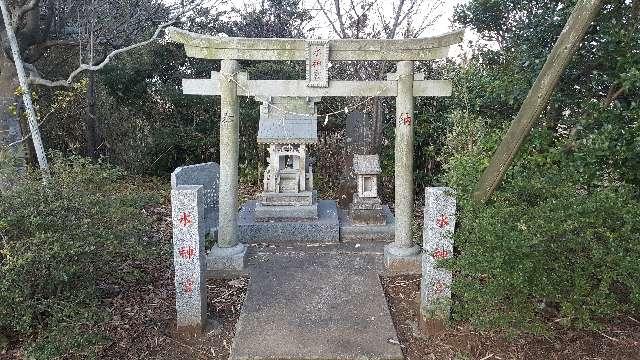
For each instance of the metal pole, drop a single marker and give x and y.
(26, 94)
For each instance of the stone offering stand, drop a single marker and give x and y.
(308, 286)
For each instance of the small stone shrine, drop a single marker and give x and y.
(288, 180)
(366, 208)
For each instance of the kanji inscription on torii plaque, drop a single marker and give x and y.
(317, 63)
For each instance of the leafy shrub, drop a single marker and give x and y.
(60, 244)
(561, 236)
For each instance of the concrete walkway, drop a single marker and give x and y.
(320, 302)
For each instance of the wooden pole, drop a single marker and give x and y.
(26, 94)
(566, 45)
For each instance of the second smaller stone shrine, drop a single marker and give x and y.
(366, 208)
(367, 219)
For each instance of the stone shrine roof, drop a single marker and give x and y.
(366, 164)
(298, 130)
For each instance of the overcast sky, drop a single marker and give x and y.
(324, 31)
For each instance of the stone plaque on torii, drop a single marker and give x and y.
(230, 83)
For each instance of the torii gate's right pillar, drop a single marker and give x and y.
(398, 254)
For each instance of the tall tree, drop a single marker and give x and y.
(62, 39)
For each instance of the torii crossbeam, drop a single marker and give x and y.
(229, 83)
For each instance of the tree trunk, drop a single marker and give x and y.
(10, 129)
(90, 117)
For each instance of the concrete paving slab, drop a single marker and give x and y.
(304, 314)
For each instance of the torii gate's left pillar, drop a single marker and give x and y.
(228, 253)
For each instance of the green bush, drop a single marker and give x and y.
(61, 245)
(560, 238)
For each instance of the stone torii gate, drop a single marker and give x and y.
(230, 83)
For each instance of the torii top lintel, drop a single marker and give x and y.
(217, 47)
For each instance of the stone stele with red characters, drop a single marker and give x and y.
(189, 258)
(437, 243)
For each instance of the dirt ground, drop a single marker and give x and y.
(620, 338)
(142, 328)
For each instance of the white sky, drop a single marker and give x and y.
(443, 24)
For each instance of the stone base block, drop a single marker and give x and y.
(226, 259)
(401, 260)
(357, 232)
(268, 213)
(374, 217)
(324, 229)
(288, 199)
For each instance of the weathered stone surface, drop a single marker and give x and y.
(360, 130)
(216, 47)
(367, 211)
(284, 199)
(372, 217)
(277, 125)
(268, 88)
(403, 172)
(351, 232)
(288, 212)
(348, 257)
(226, 259)
(366, 164)
(229, 155)
(305, 305)
(187, 211)
(324, 229)
(439, 224)
(207, 175)
(402, 264)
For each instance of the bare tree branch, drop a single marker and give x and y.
(340, 20)
(85, 67)
(329, 19)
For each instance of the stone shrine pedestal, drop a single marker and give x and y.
(367, 211)
(283, 206)
(325, 228)
(351, 231)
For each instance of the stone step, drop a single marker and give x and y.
(346, 257)
(325, 229)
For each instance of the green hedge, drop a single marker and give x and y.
(560, 239)
(61, 245)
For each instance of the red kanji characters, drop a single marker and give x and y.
(439, 287)
(316, 62)
(440, 254)
(185, 219)
(187, 286)
(187, 252)
(405, 119)
(442, 221)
